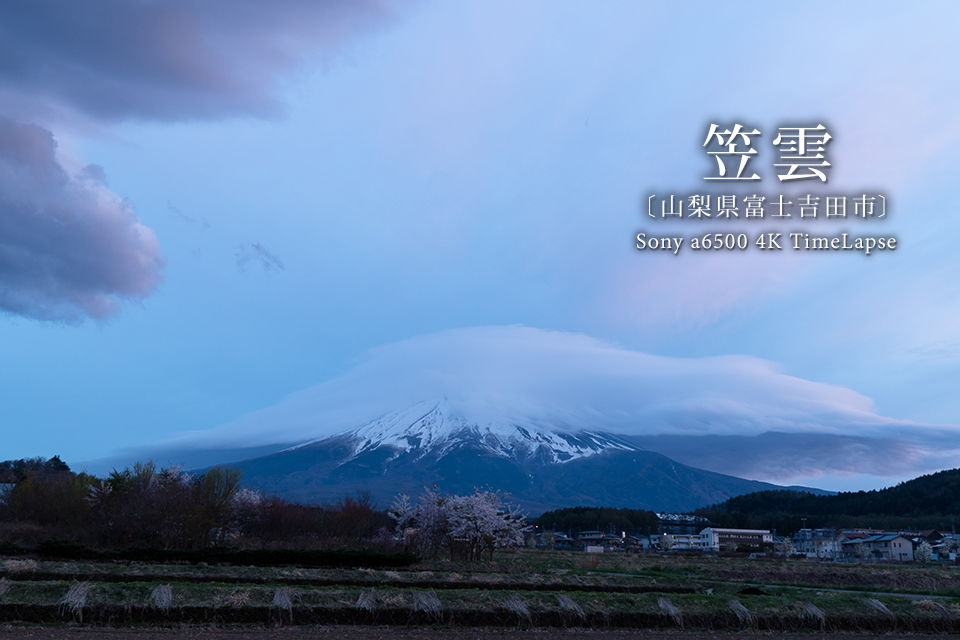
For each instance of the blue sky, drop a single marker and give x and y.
(323, 182)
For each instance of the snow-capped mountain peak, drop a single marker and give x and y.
(434, 427)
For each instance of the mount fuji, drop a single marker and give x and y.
(542, 467)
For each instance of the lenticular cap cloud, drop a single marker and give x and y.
(560, 380)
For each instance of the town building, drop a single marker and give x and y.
(717, 539)
(825, 544)
(680, 541)
(879, 548)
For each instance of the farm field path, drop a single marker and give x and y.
(774, 585)
(419, 633)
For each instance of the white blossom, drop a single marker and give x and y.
(466, 525)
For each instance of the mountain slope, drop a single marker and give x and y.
(540, 467)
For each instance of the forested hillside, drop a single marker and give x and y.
(927, 502)
(598, 519)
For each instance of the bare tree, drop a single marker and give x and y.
(549, 540)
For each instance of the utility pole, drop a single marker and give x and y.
(803, 531)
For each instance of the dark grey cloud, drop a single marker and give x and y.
(166, 60)
(258, 254)
(69, 248)
(781, 456)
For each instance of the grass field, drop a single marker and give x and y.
(519, 588)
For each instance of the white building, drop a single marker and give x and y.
(681, 541)
(715, 538)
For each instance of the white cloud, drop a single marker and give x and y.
(571, 381)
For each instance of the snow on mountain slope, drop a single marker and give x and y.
(432, 427)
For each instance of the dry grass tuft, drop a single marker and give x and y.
(932, 605)
(425, 575)
(20, 566)
(392, 575)
(454, 577)
(235, 598)
(570, 607)
(813, 612)
(591, 561)
(426, 601)
(162, 596)
(76, 598)
(743, 614)
(283, 601)
(597, 607)
(515, 604)
(395, 601)
(672, 611)
(369, 600)
(283, 598)
(876, 605)
(4, 586)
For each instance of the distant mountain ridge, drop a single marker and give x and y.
(541, 467)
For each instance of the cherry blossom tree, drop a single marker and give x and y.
(467, 525)
(482, 522)
(424, 525)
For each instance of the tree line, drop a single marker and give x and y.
(927, 502)
(143, 506)
(598, 519)
(12, 471)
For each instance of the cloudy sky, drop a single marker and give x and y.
(208, 207)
